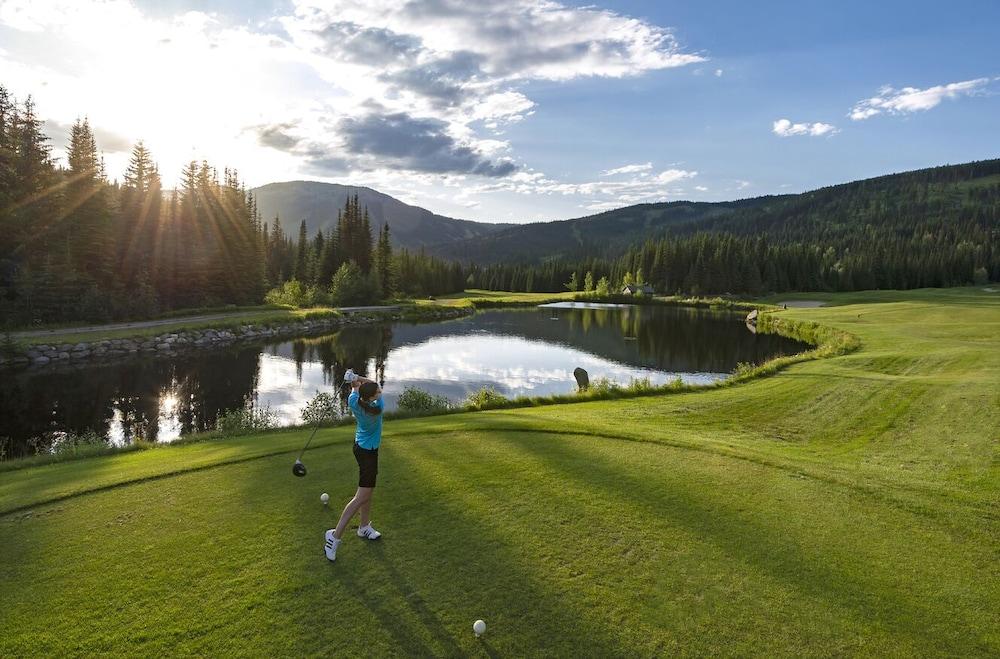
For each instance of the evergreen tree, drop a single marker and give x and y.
(139, 229)
(383, 264)
(603, 286)
(301, 271)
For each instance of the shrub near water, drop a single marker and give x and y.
(605, 387)
(244, 421)
(297, 294)
(321, 409)
(484, 398)
(418, 401)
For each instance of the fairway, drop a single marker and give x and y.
(844, 506)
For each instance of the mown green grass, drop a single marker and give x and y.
(842, 506)
(481, 297)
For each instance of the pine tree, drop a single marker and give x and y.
(301, 272)
(36, 194)
(8, 193)
(329, 261)
(276, 271)
(138, 223)
(383, 264)
(364, 250)
(87, 215)
(315, 258)
(572, 285)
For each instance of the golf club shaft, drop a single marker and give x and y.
(309, 441)
(313, 434)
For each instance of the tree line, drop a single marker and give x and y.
(349, 267)
(937, 227)
(76, 246)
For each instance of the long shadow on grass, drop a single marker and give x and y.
(910, 620)
(361, 600)
(416, 591)
(409, 594)
(406, 638)
(487, 562)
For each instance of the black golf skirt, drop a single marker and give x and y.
(367, 465)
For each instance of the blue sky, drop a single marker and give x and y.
(522, 110)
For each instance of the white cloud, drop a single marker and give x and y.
(519, 39)
(603, 194)
(508, 106)
(409, 95)
(911, 99)
(601, 206)
(671, 175)
(701, 188)
(718, 73)
(628, 169)
(785, 128)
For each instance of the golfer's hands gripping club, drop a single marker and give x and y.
(353, 379)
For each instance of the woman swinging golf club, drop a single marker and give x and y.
(366, 404)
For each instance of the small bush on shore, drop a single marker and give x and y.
(245, 421)
(485, 397)
(418, 401)
(321, 409)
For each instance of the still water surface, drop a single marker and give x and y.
(518, 352)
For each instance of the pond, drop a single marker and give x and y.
(529, 352)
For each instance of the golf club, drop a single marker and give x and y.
(298, 468)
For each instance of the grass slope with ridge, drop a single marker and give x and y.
(842, 506)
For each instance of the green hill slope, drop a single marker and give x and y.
(960, 201)
(843, 506)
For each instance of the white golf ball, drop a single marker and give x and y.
(479, 627)
(325, 498)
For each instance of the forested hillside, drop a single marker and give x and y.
(603, 234)
(931, 227)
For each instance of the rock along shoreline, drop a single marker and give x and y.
(172, 343)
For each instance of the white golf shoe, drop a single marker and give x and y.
(368, 532)
(330, 547)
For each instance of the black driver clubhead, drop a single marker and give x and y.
(299, 469)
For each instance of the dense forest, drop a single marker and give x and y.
(76, 246)
(927, 228)
(345, 268)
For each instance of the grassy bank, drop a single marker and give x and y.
(846, 505)
(482, 299)
(183, 323)
(268, 318)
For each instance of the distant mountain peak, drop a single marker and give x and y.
(317, 203)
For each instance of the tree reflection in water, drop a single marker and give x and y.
(527, 352)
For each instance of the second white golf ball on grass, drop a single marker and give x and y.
(479, 627)
(325, 498)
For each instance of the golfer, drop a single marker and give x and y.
(366, 404)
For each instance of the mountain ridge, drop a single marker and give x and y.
(613, 231)
(318, 202)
